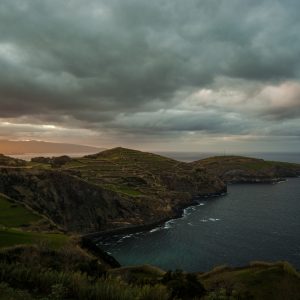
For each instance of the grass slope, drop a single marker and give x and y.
(13, 217)
(259, 281)
(247, 169)
(12, 237)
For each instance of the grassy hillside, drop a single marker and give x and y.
(247, 169)
(15, 215)
(37, 272)
(112, 189)
(12, 237)
(69, 273)
(15, 219)
(259, 281)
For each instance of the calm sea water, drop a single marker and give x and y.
(252, 222)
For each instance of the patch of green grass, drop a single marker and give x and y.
(12, 237)
(36, 165)
(124, 190)
(15, 215)
(128, 191)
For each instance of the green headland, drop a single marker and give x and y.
(48, 205)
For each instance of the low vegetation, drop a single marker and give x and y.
(7, 161)
(13, 214)
(40, 273)
(259, 281)
(16, 222)
(11, 237)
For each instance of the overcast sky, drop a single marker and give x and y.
(192, 75)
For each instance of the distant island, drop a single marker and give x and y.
(25, 147)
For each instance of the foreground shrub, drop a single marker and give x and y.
(183, 286)
(75, 285)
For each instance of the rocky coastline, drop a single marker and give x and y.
(98, 236)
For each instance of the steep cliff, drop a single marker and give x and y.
(113, 189)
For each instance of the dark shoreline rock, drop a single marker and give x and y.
(96, 237)
(91, 247)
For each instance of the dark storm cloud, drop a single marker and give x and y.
(132, 65)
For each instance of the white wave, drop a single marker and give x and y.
(155, 229)
(126, 236)
(168, 224)
(201, 204)
(210, 220)
(188, 211)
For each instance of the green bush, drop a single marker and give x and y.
(75, 285)
(183, 286)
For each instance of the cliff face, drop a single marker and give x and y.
(234, 169)
(115, 189)
(67, 201)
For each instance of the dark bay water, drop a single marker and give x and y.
(252, 222)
